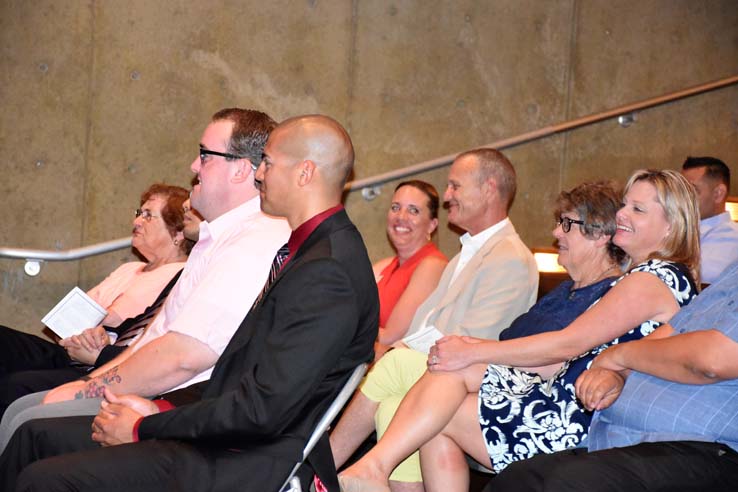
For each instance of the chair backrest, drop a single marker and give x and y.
(325, 421)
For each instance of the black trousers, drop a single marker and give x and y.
(29, 364)
(58, 455)
(663, 466)
(21, 351)
(42, 438)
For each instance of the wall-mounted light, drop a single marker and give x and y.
(731, 205)
(547, 260)
(550, 273)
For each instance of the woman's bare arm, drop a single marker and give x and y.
(637, 298)
(422, 282)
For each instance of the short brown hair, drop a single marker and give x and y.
(493, 164)
(595, 204)
(251, 129)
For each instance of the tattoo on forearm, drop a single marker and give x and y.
(95, 388)
(92, 390)
(111, 377)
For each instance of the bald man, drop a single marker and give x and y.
(283, 367)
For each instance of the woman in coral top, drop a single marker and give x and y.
(405, 280)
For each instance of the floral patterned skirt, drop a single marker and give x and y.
(522, 415)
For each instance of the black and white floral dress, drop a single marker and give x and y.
(522, 415)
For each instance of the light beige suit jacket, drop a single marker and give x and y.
(498, 284)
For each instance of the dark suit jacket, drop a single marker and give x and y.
(288, 359)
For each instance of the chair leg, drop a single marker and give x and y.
(293, 485)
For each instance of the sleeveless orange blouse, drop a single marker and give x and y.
(395, 277)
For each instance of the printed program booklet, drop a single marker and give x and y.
(423, 340)
(73, 314)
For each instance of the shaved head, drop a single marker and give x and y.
(306, 162)
(324, 141)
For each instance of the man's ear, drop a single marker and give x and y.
(490, 187)
(243, 170)
(719, 193)
(307, 169)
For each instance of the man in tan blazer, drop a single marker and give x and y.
(492, 281)
(494, 278)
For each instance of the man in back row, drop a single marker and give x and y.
(284, 365)
(718, 233)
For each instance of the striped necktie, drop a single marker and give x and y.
(277, 264)
(132, 327)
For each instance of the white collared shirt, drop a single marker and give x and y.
(426, 334)
(470, 245)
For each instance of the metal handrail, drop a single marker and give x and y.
(34, 257)
(68, 255)
(546, 131)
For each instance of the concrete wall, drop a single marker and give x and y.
(100, 98)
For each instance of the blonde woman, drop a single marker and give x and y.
(473, 385)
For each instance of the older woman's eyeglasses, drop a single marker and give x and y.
(146, 215)
(566, 222)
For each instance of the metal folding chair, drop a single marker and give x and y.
(292, 484)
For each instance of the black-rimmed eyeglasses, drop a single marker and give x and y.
(204, 153)
(566, 222)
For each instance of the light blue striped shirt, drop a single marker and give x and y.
(651, 409)
(718, 245)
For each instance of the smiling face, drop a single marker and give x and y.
(467, 202)
(409, 222)
(642, 224)
(214, 172)
(150, 235)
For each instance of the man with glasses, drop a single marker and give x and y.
(283, 367)
(223, 276)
